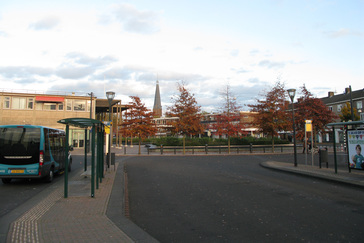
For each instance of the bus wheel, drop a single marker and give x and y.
(6, 180)
(49, 177)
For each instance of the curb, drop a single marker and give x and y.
(324, 174)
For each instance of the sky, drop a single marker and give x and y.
(126, 46)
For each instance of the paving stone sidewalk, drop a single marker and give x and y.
(78, 218)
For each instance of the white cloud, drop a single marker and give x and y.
(127, 48)
(271, 64)
(134, 20)
(342, 33)
(46, 23)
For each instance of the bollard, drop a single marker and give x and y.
(206, 148)
(161, 148)
(251, 148)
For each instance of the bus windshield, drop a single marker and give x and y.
(19, 145)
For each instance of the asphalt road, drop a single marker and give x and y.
(233, 199)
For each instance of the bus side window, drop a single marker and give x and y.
(47, 154)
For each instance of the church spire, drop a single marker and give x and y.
(157, 108)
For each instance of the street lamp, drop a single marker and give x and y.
(292, 93)
(110, 96)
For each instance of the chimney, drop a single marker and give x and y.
(347, 90)
(331, 94)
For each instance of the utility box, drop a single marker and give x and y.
(323, 157)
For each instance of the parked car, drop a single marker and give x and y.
(151, 146)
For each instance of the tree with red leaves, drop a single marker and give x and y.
(139, 121)
(310, 108)
(228, 119)
(272, 113)
(187, 110)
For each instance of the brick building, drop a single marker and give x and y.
(46, 109)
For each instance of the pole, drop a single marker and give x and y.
(351, 105)
(306, 148)
(66, 162)
(109, 152)
(334, 138)
(91, 94)
(99, 155)
(85, 169)
(93, 162)
(294, 137)
(312, 143)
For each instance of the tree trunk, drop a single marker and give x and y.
(184, 144)
(140, 144)
(229, 144)
(272, 142)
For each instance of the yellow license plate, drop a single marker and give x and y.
(17, 171)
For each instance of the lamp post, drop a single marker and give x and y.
(292, 93)
(110, 96)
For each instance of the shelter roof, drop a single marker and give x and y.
(80, 122)
(345, 123)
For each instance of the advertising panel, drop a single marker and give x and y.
(356, 146)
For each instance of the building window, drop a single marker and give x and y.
(359, 105)
(330, 108)
(339, 107)
(30, 103)
(69, 105)
(18, 103)
(60, 106)
(362, 117)
(6, 102)
(50, 106)
(79, 105)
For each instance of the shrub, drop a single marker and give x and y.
(174, 141)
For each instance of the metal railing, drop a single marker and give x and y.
(235, 149)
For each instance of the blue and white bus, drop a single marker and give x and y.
(28, 151)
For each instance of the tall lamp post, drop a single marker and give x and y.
(292, 93)
(110, 95)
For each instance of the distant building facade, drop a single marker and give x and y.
(164, 125)
(47, 109)
(245, 118)
(336, 102)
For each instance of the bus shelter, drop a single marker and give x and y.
(97, 134)
(351, 125)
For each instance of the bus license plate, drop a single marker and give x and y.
(17, 171)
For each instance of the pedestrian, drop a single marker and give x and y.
(304, 146)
